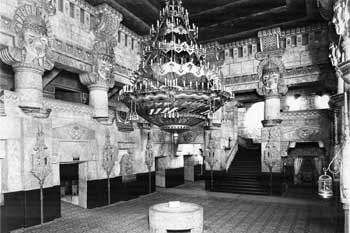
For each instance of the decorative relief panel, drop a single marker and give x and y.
(58, 107)
(126, 164)
(271, 134)
(68, 151)
(74, 131)
(303, 134)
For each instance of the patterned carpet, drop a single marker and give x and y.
(221, 215)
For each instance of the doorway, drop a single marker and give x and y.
(69, 179)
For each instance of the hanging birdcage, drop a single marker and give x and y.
(325, 185)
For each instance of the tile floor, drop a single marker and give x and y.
(223, 213)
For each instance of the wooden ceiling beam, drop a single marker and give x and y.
(218, 8)
(275, 10)
(152, 7)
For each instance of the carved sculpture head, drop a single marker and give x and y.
(34, 34)
(104, 66)
(271, 78)
(34, 39)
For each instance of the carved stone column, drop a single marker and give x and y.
(30, 55)
(100, 79)
(99, 82)
(340, 58)
(271, 86)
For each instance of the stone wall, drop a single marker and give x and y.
(305, 58)
(72, 26)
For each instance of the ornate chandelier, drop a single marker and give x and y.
(175, 87)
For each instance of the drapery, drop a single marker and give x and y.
(318, 165)
(297, 165)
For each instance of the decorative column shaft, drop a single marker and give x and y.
(272, 107)
(28, 84)
(98, 92)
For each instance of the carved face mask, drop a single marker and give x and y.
(35, 45)
(104, 68)
(270, 80)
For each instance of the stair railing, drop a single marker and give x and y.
(231, 155)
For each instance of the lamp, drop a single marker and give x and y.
(175, 87)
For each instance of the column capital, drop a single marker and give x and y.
(101, 75)
(33, 38)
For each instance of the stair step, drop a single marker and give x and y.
(255, 192)
(243, 175)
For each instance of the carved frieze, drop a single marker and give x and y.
(73, 131)
(304, 133)
(59, 106)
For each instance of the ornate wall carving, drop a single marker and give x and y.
(74, 131)
(34, 36)
(126, 164)
(74, 142)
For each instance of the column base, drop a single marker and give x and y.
(36, 112)
(271, 123)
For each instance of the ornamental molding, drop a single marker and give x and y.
(240, 43)
(314, 71)
(58, 106)
(307, 29)
(305, 114)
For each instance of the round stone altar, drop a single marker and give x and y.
(176, 217)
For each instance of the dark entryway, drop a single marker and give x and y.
(69, 177)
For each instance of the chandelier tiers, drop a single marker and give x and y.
(175, 87)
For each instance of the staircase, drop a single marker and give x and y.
(243, 175)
